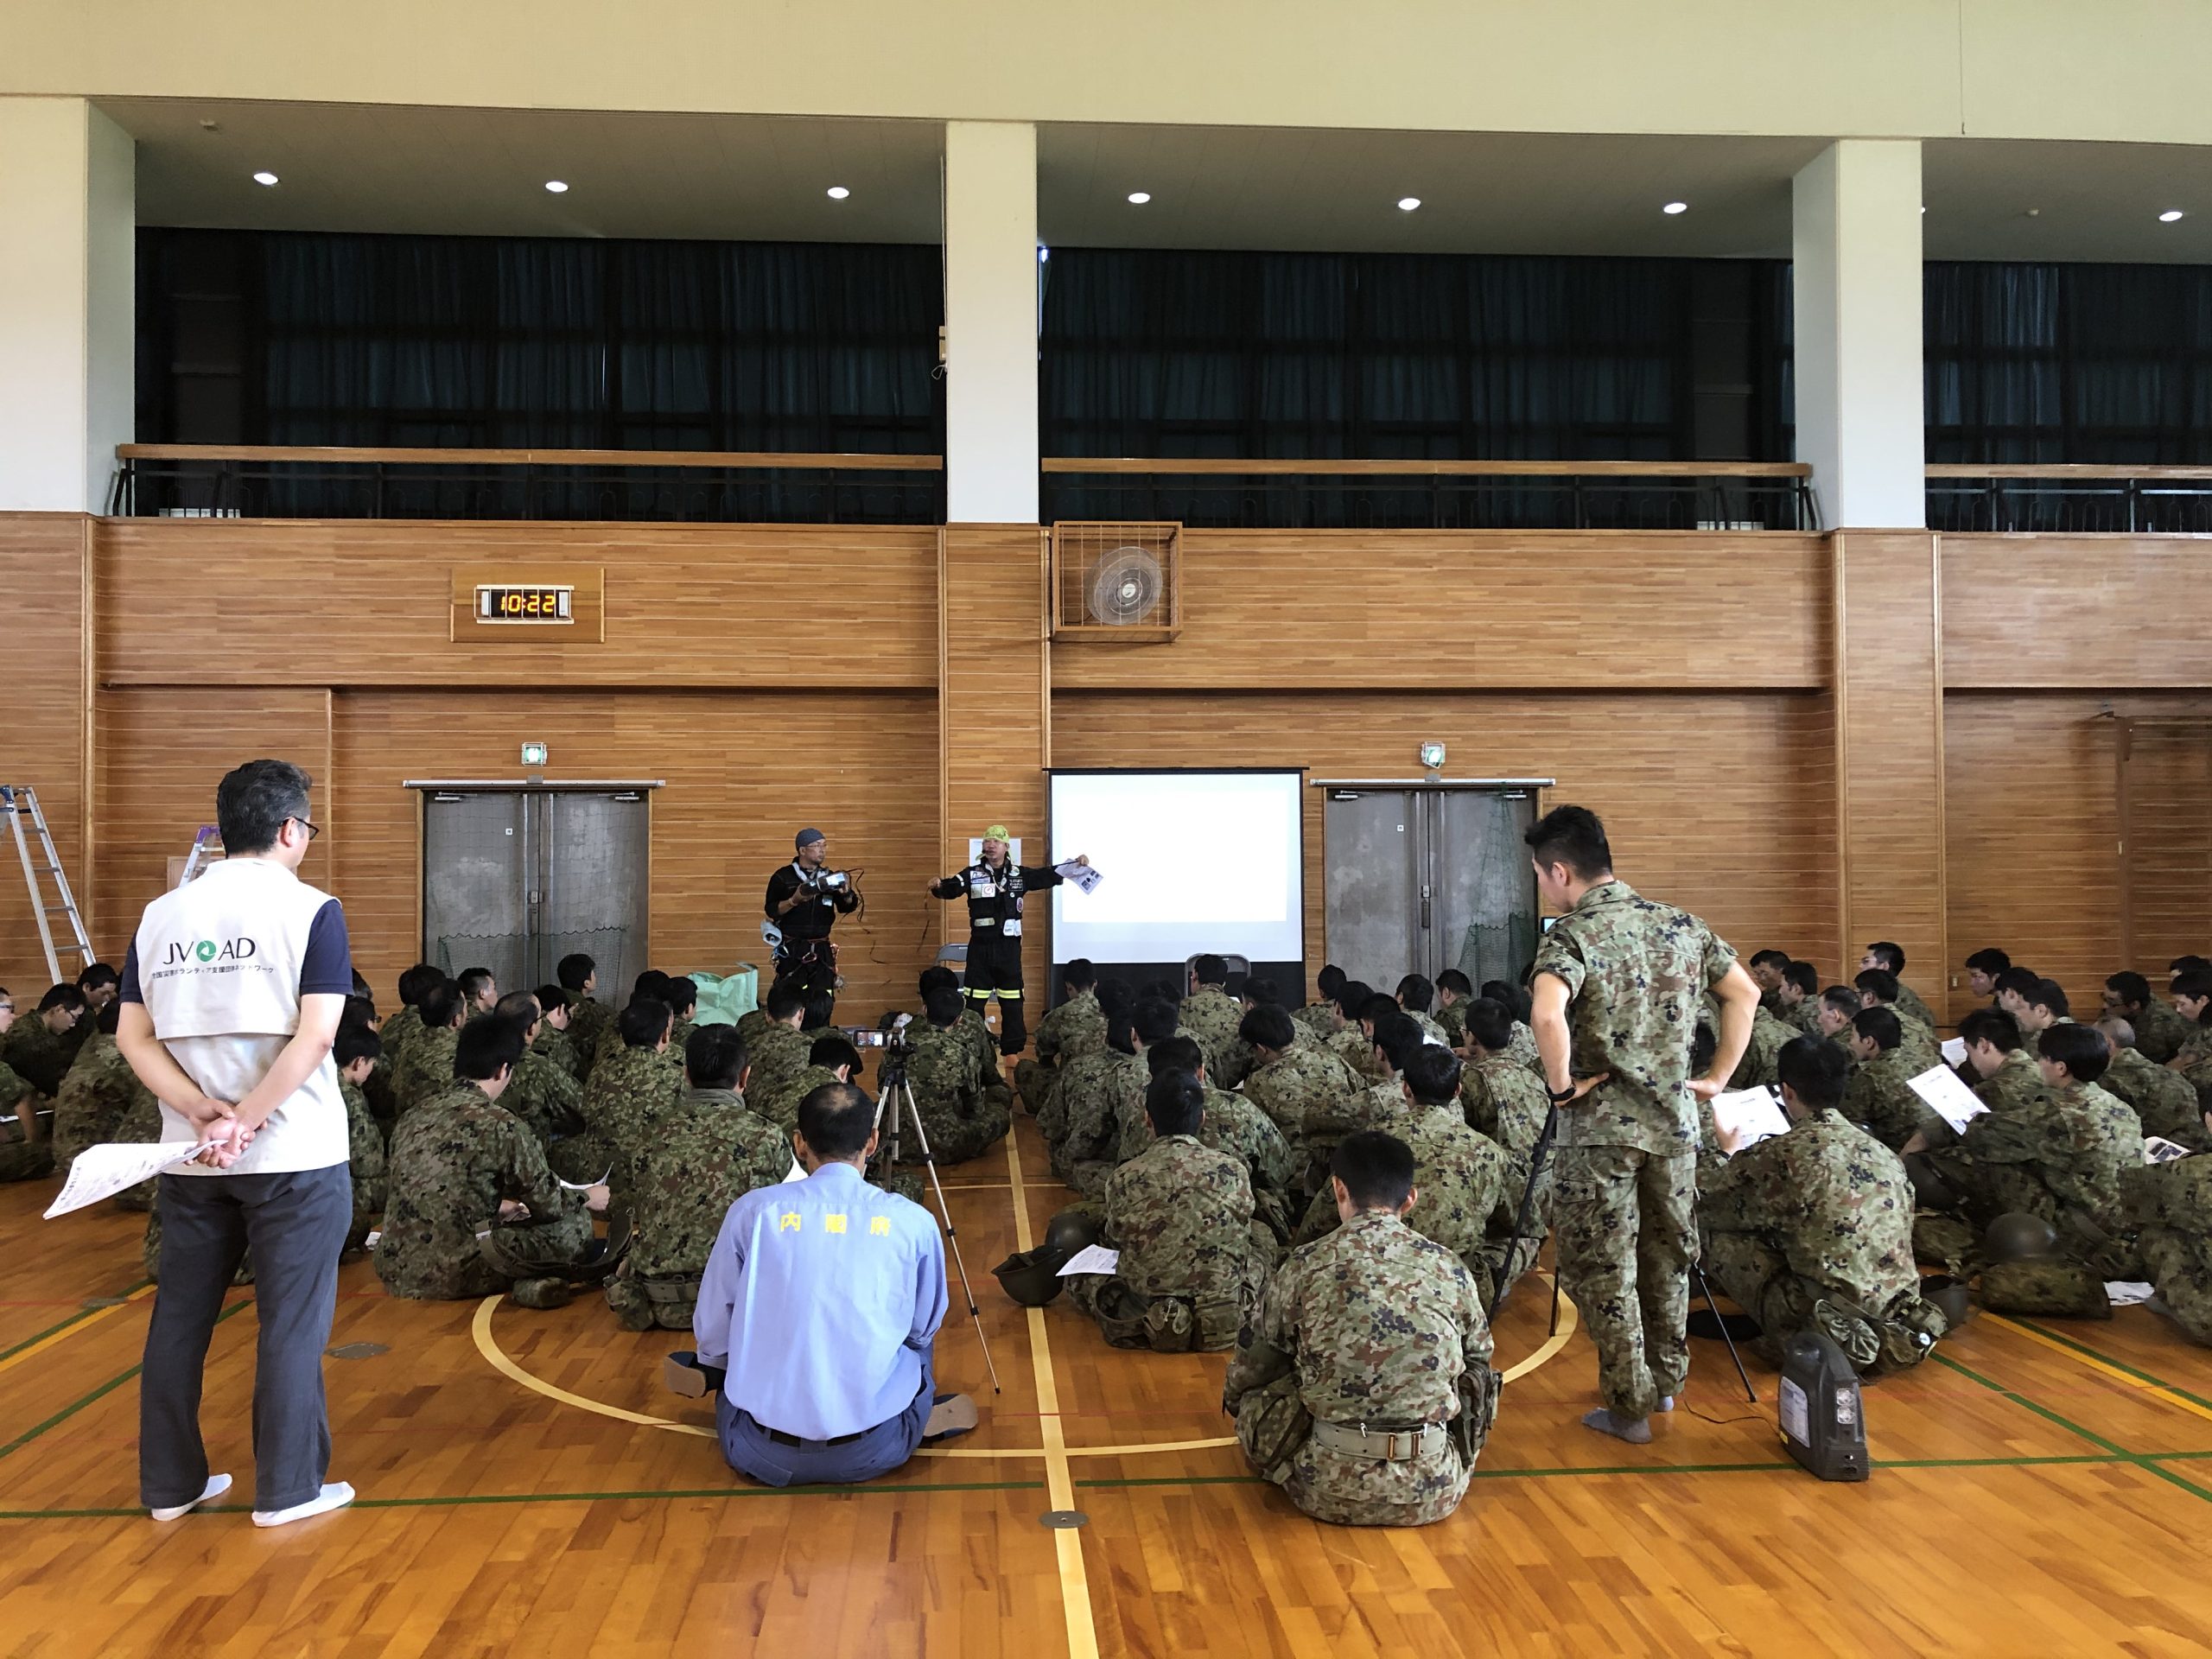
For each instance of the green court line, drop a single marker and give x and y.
(569, 1497)
(82, 1314)
(2139, 1460)
(2135, 1371)
(105, 1389)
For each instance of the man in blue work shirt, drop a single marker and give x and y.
(821, 1302)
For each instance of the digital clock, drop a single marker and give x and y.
(538, 603)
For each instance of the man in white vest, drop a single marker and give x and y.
(230, 998)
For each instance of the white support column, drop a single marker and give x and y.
(1856, 279)
(68, 218)
(990, 316)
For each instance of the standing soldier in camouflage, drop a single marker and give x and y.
(1083, 1124)
(426, 1068)
(1812, 1231)
(1212, 1016)
(2170, 1207)
(706, 1152)
(2159, 1032)
(100, 1089)
(1365, 1390)
(630, 1091)
(2162, 1100)
(1290, 1078)
(460, 1163)
(948, 1086)
(1618, 981)
(1180, 1214)
(1068, 1032)
(1879, 1096)
(354, 1051)
(546, 1098)
(588, 1018)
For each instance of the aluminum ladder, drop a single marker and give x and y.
(20, 801)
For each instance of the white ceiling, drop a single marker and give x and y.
(405, 169)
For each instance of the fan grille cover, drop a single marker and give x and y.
(1115, 580)
(1125, 588)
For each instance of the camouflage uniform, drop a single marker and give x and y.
(589, 1019)
(1212, 1016)
(778, 1055)
(1770, 1036)
(556, 1045)
(1298, 1081)
(1806, 1016)
(750, 1025)
(454, 1158)
(948, 1088)
(998, 1093)
(629, 1093)
(40, 1056)
(2170, 1205)
(1373, 1328)
(1377, 1105)
(779, 1105)
(1429, 1029)
(2015, 1083)
(1523, 1048)
(1910, 1007)
(397, 1034)
(1880, 1100)
(366, 1160)
(1812, 1231)
(2160, 1030)
(1459, 1179)
(547, 1099)
(20, 1160)
(1917, 1046)
(1627, 1165)
(2163, 1100)
(1357, 1049)
(141, 1126)
(1235, 1126)
(98, 1094)
(1086, 1113)
(425, 1069)
(1504, 1100)
(1453, 1022)
(1316, 1017)
(1191, 1272)
(706, 1153)
(1066, 1035)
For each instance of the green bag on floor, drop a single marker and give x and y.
(724, 1001)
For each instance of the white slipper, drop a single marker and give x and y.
(217, 1485)
(334, 1495)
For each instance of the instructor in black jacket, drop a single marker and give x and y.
(994, 887)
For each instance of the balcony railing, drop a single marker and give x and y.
(2071, 500)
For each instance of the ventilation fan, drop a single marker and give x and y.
(1115, 581)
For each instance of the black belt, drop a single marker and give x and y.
(782, 1438)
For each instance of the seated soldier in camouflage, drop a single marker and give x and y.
(1839, 1005)
(830, 1058)
(2041, 1008)
(997, 1091)
(2193, 1059)
(1879, 1098)
(1234, 1125)
(1258, 991)
(354, 1051)
(41, 1042)
(1504, 1101)
(948, 1086)
(1517, 1002)
(780, 1049)
(1208, 1013)
(1770, 1032)
(1290, 1078)
(1812, 1231)
(1318, 1016)
(1181, 1216)
(681, 995)
(632, 1088)
(1379, 1103)
(99, 1091)
(1081, 1122)
(546, 1098)
(1883, 957)
(1460, 1174)
(1344, 1036)
(2170, 1207)
(706, 1153)
(1798, 999)
(1414, 996)
(1364, 1389)
(1766, 968)
(2163, 1100)
(552, 1039)
(426, 1067)
(2159, 1030)
(1067, 1033)
(2058, 1154)
(462, 1163)
(2005, 1073)
(1154, 1020)
(1454, 990)
(588, 1017)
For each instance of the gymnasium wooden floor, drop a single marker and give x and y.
(526, 1486)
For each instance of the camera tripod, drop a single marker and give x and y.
(895, 1094)
(1521, 1232)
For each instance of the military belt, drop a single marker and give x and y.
(1384, 1444)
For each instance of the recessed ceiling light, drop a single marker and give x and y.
(1138, 198)
(1675, 207)
(838, 193)
(2169, 215)
(1407, 204)
(557, 186)
(264, 178)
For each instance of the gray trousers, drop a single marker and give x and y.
(294, 1224)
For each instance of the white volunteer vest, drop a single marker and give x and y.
(218, 968)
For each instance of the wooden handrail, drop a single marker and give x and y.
(354, 457)
(2061, 471)
(1275, 467)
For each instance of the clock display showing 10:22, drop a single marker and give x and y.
(536, 603)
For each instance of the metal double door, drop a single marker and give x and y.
(1427, 877)
(513, 879)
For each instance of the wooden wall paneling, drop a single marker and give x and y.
(359, 602)
(2118, 612)
(745, 771)
(160, 751)
(45, 576)
(1721, 802)
(2164, 863)
(1483, 609)
(993, 709)
(1888, 683)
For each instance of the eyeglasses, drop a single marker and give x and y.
(309, 825)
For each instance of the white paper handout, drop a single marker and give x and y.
(1747, 1116)
(1954, 1050)
(1954, 1103)
(1092, 1258)
(2157, 1150)
(795, 1173)
(2127, 1292)
(102, 1171)
(1083, 876)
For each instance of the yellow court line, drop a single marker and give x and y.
(1060, 1483)
(69, 1331)
(2155, 1391)
(480, 1328)
(1570, 1316)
